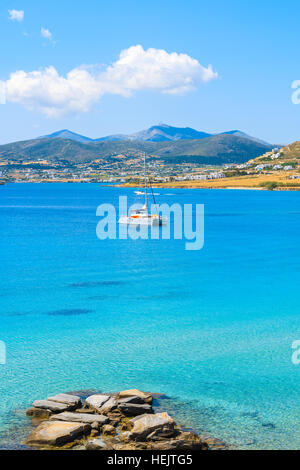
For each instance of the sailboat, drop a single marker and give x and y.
(142, 216)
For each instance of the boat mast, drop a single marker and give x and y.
(145, 174)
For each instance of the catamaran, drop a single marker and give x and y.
(142, 216)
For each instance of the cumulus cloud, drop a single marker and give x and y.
(135, 70)
(16, 15)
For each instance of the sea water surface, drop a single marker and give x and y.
(212, 329)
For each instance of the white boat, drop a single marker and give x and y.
(142, 216)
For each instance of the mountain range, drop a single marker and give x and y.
(167, 143)
(159, 133)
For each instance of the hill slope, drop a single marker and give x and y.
(212, 150)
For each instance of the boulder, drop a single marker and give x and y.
(109, 430)
(81, 418)
(98, 444)
(134, 400)
(66, 399)
(56, 433)
(95, 402)
(147, 397)
(38, 413)
(109, 406)
(161, 424)
(53, 406)
(130, 409)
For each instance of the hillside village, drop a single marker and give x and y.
(280, 167)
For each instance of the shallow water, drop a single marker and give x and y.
(211, 329)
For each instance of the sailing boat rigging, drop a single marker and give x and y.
(142, 216)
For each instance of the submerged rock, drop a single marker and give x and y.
(147, 397)
(38, 413)
(56, 433)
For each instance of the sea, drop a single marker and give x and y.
(212, 329)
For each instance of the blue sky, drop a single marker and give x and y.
(252, 47)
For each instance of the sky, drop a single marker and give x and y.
(101, 68)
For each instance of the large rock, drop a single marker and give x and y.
(81, 418)
(109, 406)
(66, 399)
(157, 425)
(95, 402)
(135, 400)
(130, 409)
(98, 444)
(57, 433)
(53, 406)
(147, 397)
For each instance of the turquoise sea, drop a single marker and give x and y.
(211, 329)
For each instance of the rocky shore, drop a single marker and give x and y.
(120, 421)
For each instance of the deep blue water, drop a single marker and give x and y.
(211, 329)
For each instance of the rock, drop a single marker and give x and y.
(85, 411)
(109, 430)
(95, 402)
(124, 436)
(38, 413)
(66, 399)
(94, 432)
(135, 400)
(98, 444)
(53, 406)
(147, 397)
(130, 409)
(57, 433)
(81, 418)
(161, 423)
(109, 406)
(181, 443)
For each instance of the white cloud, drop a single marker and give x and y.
(45, 33)
(136, 69)
(16, 15)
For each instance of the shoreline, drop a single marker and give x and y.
(160, 186)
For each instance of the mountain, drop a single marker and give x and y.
(216, 150)
(66, 134)
(164, 132)
(246, 136)
(160, 133)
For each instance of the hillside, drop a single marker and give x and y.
(212, 150)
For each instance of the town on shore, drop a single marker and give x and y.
(273, 170)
